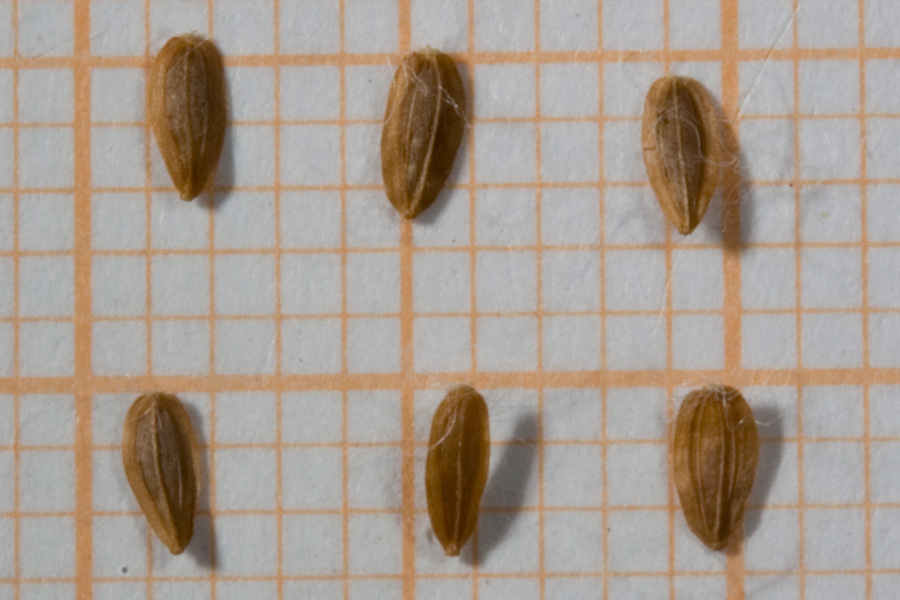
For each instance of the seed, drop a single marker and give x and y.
(188, 110)
(162, 464)
(715, 450)
(681, 149)
(456, 468)
(423, 126)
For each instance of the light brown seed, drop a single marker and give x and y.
(188, 110)
(423, 126)
(162, 464)
(679, 136)
(715, 451)
(456, 468)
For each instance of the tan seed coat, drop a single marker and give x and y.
(715, 450)
(188, 110)
(456, 468)
(423, 126)
(162, 464)
(679, 136)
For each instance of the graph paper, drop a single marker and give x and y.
(311, 332)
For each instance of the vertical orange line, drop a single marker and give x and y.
(82, 199)
(731, 241)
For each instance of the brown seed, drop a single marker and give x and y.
(715, 450)
(681, 149)
(188, 110)
(162, 464)
(423, 126)
(456, 468)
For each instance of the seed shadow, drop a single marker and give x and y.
(218, 191)
(769, 460)
(203, 544)
(508, 482)
(733, 175)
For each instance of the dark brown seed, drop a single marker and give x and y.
(162, 464)
(681, 149)
(715, 451)
(423, 126)
(456, 468)
(188, 110)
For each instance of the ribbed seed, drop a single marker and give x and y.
(188, 110)
(162, 464)
(681, 149)
(715, 451)
(423, 125)
(456, 468)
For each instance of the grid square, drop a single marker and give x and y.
(180, 285)
(516, 550)
(367, 88)
(632, 539)
(119, 348)
(46, 157)
(636, 413)
(775, 543)
(244, 284)
(311, 417)
(111, 491)
(6, 219)
(880, 161)
(503, 26)
(245, 346)
(567, 26)
(442, 344)
(571, 343)
(361, 165)
(570, 281)
(570, 217)
(449, 225)
(570, 89)
(885, 533)
(441, 282)
(505, 152)
(7, 287)
(832, 340)
(443, 25)
(885, 480)
(768, 147)
(46, 480)
(239, 590)
(821, 527)
(370, 26)
(310, 219)
(780, 457)
(245, 418)
(180, 347)
(45, 349)
(311, 283)
(373, 477)
(45, 95)
(119, 286)
(829, 149)
(884, 265)
(562, 490)
(697, 279)
(246, 220)
(570, 152)
(829, 86)
(625, 85)
(371, 221)
(310, 93)
(7, 33)
(373, 283)
(634, 586)
(373, 345)
(504, 91)
(124, 18)
(120, 546)
(635, 343)
(46, 28)
(829, 24)
(694, 24)
(623, 291)
(769, 341)
(193, 590)
(246, 479)
(244, 26)
(884, 418)
(46, 420)
(884, 331)
(766, 87)
(765, 24)
(506, 217)
(833, 472)
(36, 297)
(574, 542)
(882, 83)
(375, 531)
(768, 278)
(117, 157)
(632, 216)
(506, 281)
(117, 95)
(7, 420)
(833, 411)
(880, 16)
(622, 156)
(836, 586)
(501, 588)
(636, 475)
(831, 278)
(175, 224)
(7, 556)
(373, 416)
(831, 213)
(7, 147)
(246, 547)
(634, 26)
(251, 93)
(883, 586)
(46, 222)
(698, 342)
(311, 346)
(47, 547)
(309, 27)
(507, 343)
(6, 84)
(572, 414)
(249, 153)
(563, 588)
